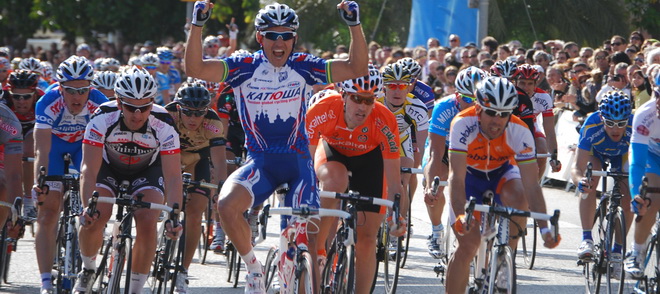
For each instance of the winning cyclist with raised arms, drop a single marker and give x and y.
(271, 88)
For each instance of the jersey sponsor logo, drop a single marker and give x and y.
(127, 159)
(390, 139)
(362, 138)
(446, 115)
(482, 158)
(57, 106)
(211, 127)
(43, 118)
(139, 182)
(282, 76)
(643, 130)
(466, 133)
(168, 145)
(526, 148)
(365, 129)
(8, 128)
(70, 129)
(273, 96)
(262, 80)
(294, 84)
(126, 149)
(94, 135)
(320, 119)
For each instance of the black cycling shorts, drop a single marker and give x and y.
(151, 177)
(201, 171)
(368, 174)
(235, 140)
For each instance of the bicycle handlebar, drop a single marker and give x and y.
(354, 197)
(135, 203)
(411, 170)
(309, 211)
(188, 181)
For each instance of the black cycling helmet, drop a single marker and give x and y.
(193, 95)
(23, 79)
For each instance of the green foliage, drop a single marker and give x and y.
(242, 10)
(16, 22)
(586, 22)
(645, 14)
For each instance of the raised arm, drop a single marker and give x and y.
(358, 55)
(195, 66)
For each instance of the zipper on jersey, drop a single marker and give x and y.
(487, 159)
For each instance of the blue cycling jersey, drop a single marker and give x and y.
(272, 101)
(163, 84)
(423, 92)
(594, 139)
(174, 75)
(441, 117)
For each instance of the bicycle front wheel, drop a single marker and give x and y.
(502, 277)
(206, 237)
(392, 259)
(615, 275)
(529, 244)
(270, 267)
(305, 279)
(649, 282)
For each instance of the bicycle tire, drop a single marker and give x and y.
(502, 266)
(529, 244)
(99, 284)
(270, 267)
(648, 283)
(347, 272)
(114, 282)
(615, 282)
(406, 242)
(129, 265)
(592, 269)
(327, 275)
(8, 247)
(229, 254)
(237, 267)
(207, 235)
(380, 257)
(392, 260)
(60, 254)
(304, 283)
(3, 253)
(177, 265)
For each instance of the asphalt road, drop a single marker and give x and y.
(555, 271)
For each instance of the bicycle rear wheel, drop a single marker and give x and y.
(529, 244)
(270, 267)
(4, 256)
(206, 237)
(649, 282)
(502, 277)
(305, 279)
(392, 259)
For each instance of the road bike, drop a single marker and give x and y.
(12, 231)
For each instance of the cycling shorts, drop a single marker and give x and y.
(618, 163)
(367, 174)
(148, 178)
(477, 184)
(201, 171)
(263, 172)
(58, 148)
(539, 134)
(653, 164)
(407, 149)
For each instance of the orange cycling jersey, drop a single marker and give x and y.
(516, 144)
(325, 120)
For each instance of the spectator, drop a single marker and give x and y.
(503, 52)
(641, 90)
(450, 76)
(617, 80)
(585, 54)
(489, 44)
(432, 43)
(538, 46)
(542, 58)
(600, 61)
(572, 49)
(486, 64)
(653, 57)
(454, 41)
(373, 48)
(637, 39)
(618, 44)
(631, 51)
(483, 55)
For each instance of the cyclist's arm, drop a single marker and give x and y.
(171, 165)
(581, 160)
(42, 142)
(13, 175)
(531, 186)
(421, 139)
(638, 156)
(92, 160)
(457, 172)
(356, 65)
(551, 137)
(392, 169)
(195, 66)
(219, 160)
(436, 152)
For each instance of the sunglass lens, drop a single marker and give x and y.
(274, 36)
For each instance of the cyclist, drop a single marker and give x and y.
(605, 135)
(150, 62)
(133, 139)
(104, 81)
(34, 65)
(273, 85)
(202, 146)
(22, 97)
(436, 161)
(61, 116)
(420, 90)
(165, 67)
(484, 141)
(644, 161)
(525, 110)
(5, 70)
(350, 132)
(526, 78)
(412, 117)
(11, 151)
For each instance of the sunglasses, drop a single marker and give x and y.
(360, 100)
(273, 36)
(165, 62)
(19, 97)
(453, 40)
(395, 86)
(635, 38)
(73, 91)
(135, 108)
(600, 57)
(192, 112)
(616, 44)
(150, 67)
(212, 46)
(494, 113)
(467, 99)
(618, 123)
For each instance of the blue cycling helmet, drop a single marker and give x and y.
(165, 54)
(615, 106)
(75, 68)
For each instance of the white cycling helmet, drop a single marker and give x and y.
(371, 83)
(150, 59)
(467, 78)
(240, 53)
(497, 93)
(136, 83)
(105, 80)
(396, 72)
(211, 40)
(75, 68)
(110, 64)
(412, 65)
(135, 60)
(276, 15)
(31, 64)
